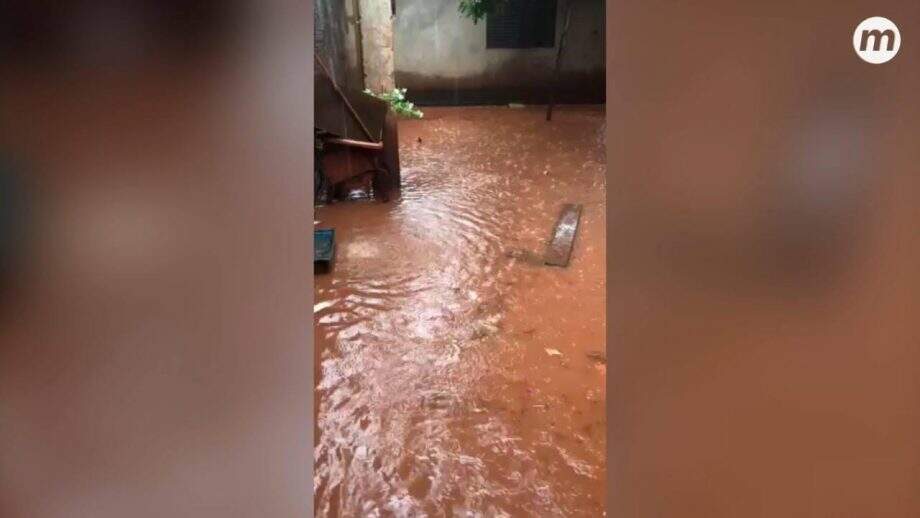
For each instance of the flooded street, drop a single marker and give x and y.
(457, 376)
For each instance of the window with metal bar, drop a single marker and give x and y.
(522, 24)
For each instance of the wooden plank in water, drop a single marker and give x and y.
(559, 248)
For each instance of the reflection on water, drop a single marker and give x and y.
(436, 394)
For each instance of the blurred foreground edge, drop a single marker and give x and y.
(763, 261)
(156, 353)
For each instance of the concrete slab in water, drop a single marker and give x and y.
(559, 248)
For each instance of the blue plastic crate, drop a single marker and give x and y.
(323, 248)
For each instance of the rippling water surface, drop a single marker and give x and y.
(455, 376)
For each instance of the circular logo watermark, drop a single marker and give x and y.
(876, 40)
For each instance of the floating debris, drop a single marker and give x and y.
(525, 256)
(598, 356)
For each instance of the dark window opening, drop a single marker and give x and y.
(522, 24)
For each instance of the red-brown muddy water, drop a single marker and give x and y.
(455, 376)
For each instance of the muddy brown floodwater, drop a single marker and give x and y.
(455, 375)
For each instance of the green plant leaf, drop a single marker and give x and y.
(397, 100)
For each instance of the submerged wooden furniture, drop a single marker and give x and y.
(359, 136)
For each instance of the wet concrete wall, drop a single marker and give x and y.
(377, 44)
(441, 57)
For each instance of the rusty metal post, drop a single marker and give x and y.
(565, 30)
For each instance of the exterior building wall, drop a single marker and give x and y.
(441, 57)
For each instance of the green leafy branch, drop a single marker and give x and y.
(478, 9)
(397, 99)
